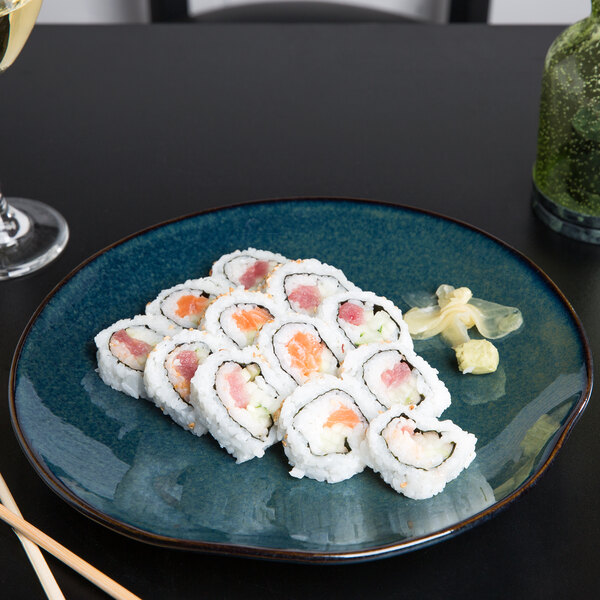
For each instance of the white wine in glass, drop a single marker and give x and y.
(31, 233)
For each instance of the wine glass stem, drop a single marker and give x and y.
(14, 224)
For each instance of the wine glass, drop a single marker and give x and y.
(31, 233)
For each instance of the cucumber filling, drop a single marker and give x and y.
(392, 380)
(248, 398)
(373, 324)
(331, 424)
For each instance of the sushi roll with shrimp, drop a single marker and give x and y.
(417, 455)
(246, 268)
(365, 318)
(302, 285)
(237, 397)
(240, 315)
(323, 425)
(394, 375)
(170, 368)
(301, 347)
(123, 350)
(185, 303)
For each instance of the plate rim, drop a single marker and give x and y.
(285, 554)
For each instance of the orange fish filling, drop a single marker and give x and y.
(252, 319)
(183, 388)
(344, 416)
(305, 352)
(191, 305)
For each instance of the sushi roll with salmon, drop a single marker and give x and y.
(302, 285)
(185, 304)
(417, 455)
(301, 347)
(123, 349)
(394, 375)
(365, 318)
(237, 397)
(323, 425)
(170, 368)
(240, 315)
(246, 268)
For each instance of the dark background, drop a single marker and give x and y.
(122, 127)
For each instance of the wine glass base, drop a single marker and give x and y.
(45, 239)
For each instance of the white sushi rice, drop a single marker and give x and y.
(421, 463)
(158, 384)
(274, 338)
(114, 372)
(220, 315)
(244, 431)
(308, 275)
(231, 268)
(166, 303)
(316, 447)
(381, 319)
(421, 393)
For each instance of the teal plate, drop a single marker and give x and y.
(122, 463)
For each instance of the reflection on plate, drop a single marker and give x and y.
(120, 462)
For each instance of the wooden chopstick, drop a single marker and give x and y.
(33, 552)
(105, 583)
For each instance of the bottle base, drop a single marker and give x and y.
(564, 221)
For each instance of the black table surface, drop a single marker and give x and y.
(123, 127)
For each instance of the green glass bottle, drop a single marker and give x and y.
(566, 174)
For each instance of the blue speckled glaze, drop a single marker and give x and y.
(120, 461)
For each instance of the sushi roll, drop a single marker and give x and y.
(301, 347)
(323, 425)
(394, 375)
(185, 304)
(237, 397)
(240, 315)
(246, 268)
(169, 369)
(302, 285)
(123, 349)
(417, 455)
(366, 318)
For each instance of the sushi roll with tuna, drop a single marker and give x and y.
(237, 397)
(366, 318)
(323, 425)
(240, 315)
(185, 304)
(394, 375)
(170, 368)
(246, 268)
(302, 285)
(123, 349)
(301, 347)
(417, 455)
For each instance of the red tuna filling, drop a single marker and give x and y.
(186, 362)
(136, 347)
(254, 273)
(307, 297)
(236, 382)
(395, 376)
(351, 313)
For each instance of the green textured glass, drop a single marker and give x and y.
(566, 174)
